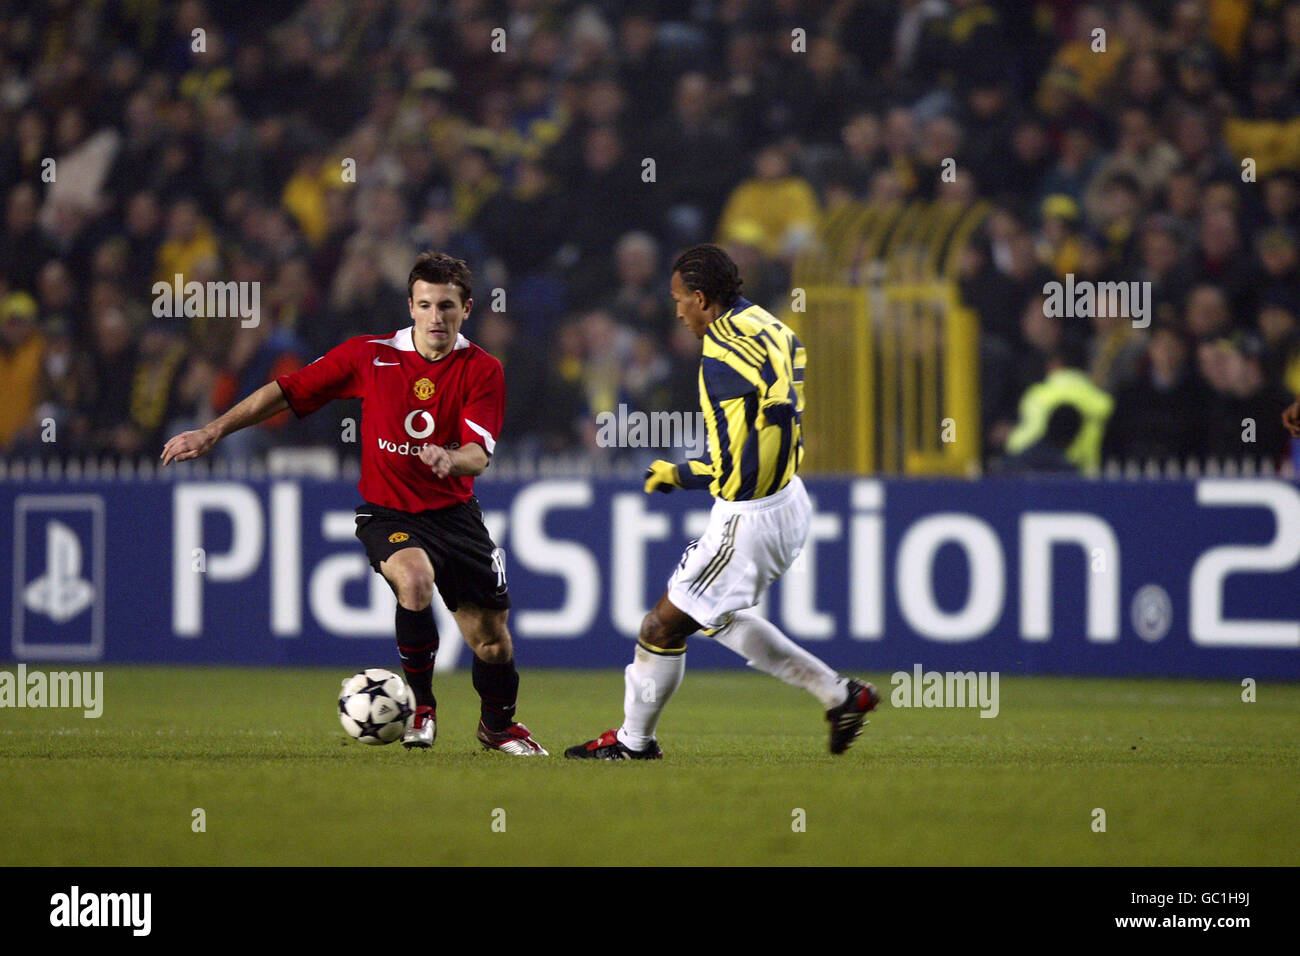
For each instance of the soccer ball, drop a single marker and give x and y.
(376, 706)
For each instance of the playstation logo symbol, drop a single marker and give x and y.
(58, 596)
(61, 593)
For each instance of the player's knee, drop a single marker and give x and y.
(494, 644)
(490, 637)
(494, 652)
(414, 587)
(657, 632)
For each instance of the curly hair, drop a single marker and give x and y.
(706, 268)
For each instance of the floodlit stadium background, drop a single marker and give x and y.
(899, 182)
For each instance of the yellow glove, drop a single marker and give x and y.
(662, 476)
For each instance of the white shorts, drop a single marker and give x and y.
(746, 546)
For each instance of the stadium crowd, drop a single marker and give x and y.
(316, 147)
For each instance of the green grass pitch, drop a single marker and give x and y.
(1185, 771)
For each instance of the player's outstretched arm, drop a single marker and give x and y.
(665, 476)
(262, 404)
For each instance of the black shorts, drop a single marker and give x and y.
(467, 565)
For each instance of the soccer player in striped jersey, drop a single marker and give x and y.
(751, 393)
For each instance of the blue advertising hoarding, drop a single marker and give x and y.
(1020, 576)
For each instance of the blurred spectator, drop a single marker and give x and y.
(941, 144)
(189, 239)
(1282, 198)
(990, 124)
(1278, 275)
(783, 206)
(525, 374)
(1220, 259)
(1065, 382)
(1048, 454)
(57, 292)
(647, 374)
(642, 67)
(524, 224)
(1208, 316)
(108, 399)
(1241, 417)
(1140, 153)
(1078, 54)
(824, 89)
(66, 377)
(570, 424)
(641, 299)
(1008, 367)
(900, 137)
(1161, 262)
(362, 302)
(1158, 415)
(1076, 164)
(1009, 277)
(863, 153)
(231, 156)
(21, 349)
(1116, 347)
(696, 159)
(606, 347)
(143, 234)
(23, 248)
(384, 234)
(1057, 243)
(1280, 331)
(24, 157)
(156, 388)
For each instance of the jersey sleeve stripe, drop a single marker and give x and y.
(490, 443)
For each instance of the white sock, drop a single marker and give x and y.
(649, 681)
(768, 650)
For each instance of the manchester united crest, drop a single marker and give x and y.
(424, 389)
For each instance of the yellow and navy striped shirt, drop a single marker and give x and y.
(751, 393)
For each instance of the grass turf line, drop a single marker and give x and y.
(1186, 772)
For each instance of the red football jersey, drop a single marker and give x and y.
(407, 402)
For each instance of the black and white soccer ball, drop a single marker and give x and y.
(376, 706)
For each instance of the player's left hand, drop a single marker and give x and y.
(662, 476)
(437, 458)
(1291, 419)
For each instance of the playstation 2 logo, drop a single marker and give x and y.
(58, 588)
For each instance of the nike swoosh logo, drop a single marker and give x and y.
(377, 362)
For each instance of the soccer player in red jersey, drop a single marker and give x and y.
(433, 403)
